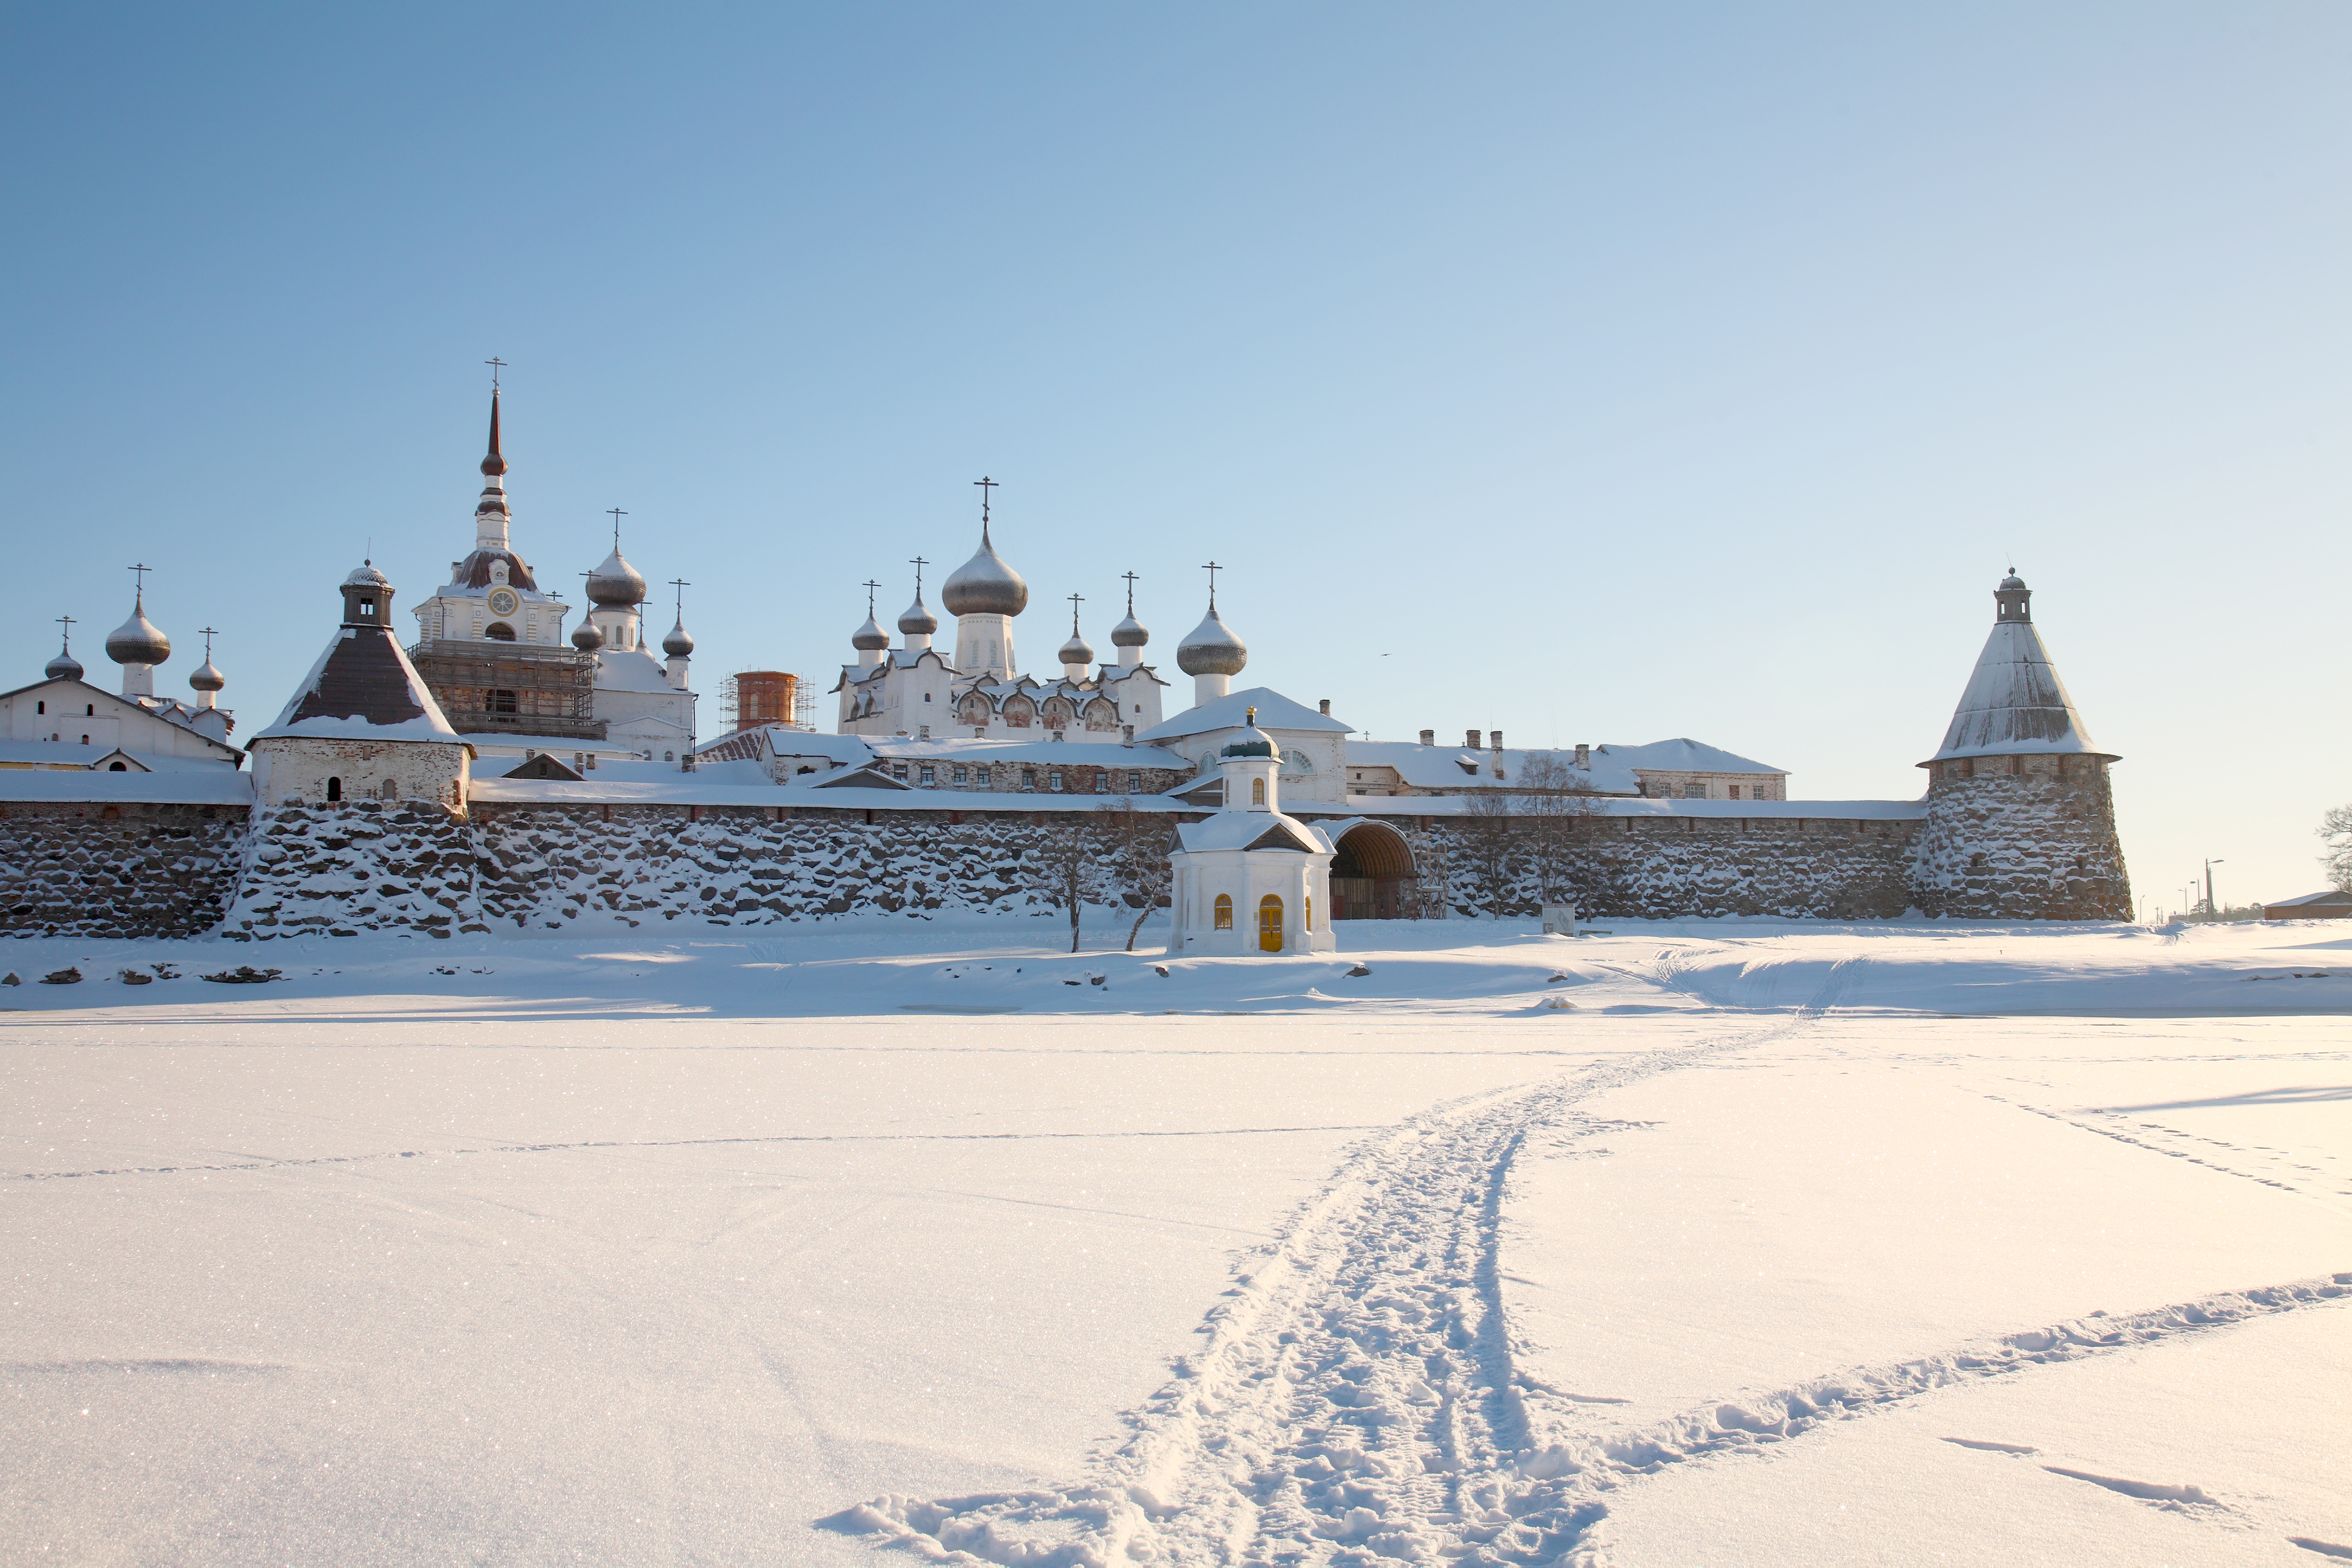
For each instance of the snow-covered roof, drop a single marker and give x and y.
(490, 742)
(631, 670)
(1254, 829)
(2334, 896)
(2015, 703)
(1682, 755)
(363, 688)
(1056, 753)
(691, 790)
(1231, 711)
(1644, 806)
(207, 786)
(1441, 766)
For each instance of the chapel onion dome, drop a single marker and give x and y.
(984, 585)
(1251, 742)
(1076, 651)
(1212, 649)
(64, 667)
(587, 637)
(678, 644)
(869, 638)
(1130, 633)
(206, 677)
(917, 620)
(616, 585)
(138, 641)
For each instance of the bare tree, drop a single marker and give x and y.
(2335, 833)
(1139, 843)
(1560, 813)
(1489, 834)
(1064, 867)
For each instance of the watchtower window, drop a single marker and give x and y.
(335, 788)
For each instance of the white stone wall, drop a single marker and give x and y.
(295, 770)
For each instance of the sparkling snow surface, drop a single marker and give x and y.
(1716, 1241)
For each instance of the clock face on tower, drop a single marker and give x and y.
(503, 601)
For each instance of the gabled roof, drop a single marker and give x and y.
(166, 710)
(1254, 831)
(2015, 703)
(1441, 766)
(1231, 711)
(1684, 755)
(2334, 897)
(867, 778)
(543, 766)
(363, 688)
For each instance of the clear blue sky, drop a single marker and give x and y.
(1596, 373)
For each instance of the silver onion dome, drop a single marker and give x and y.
(1212, 649)
(869, 638)
(616, 584)
(64, 667)
(917, 620)
(206, 677)
(984, 585)
(678, 643)
(138, 641)
(586, 637)
(1077, 650)
(1130, 633)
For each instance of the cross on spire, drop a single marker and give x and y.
(681, 585)
(208, 635)
(1076, 599)
(1130, 590)
(1213, 568)
(66, 638)
(139, 596)
(616, 515)
(919, 563)
(496, 365)
(869, 585)
(986, 485)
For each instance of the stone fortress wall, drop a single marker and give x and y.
(410, 866)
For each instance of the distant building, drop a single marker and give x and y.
(2332, 904)
(62, 721)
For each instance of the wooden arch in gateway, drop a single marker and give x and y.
(1373, 875)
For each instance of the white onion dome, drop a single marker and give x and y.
(616, 585)
(869, 638)
(1130, 633)
(138, 641)
(1077, 650)
(64, 667)
(206, 677)
(1212, 649)
(587, 637)
(917, 620)
(1251, 742)
(984, 585)
(678, 643)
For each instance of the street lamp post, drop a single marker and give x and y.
(2211, 913)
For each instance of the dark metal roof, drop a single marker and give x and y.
(364, 677)
(474, 571)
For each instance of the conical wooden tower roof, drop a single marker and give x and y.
(2015, 703)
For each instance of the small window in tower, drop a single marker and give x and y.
(498, 632)
(927, 696)
(119, 768)
(335, 788)
(1257, 792)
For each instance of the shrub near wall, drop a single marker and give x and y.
(87, 869)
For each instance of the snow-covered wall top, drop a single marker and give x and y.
(177, 787)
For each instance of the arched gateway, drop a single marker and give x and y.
(1373, 876)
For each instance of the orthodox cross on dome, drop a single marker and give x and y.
(496, 365)
(1130, 590)
(208, 634)
(681, 585)
(1213, 568)
(616, 515)
(68, 622)
(869, 585)
(986, 485)
(1075, 601)
(919, 563)
(141, 572)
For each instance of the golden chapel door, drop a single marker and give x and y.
(1269, 924)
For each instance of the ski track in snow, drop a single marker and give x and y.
(1358, 1399)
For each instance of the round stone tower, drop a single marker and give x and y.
(2021, 824)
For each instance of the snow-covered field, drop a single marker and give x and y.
(1713, 1242)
